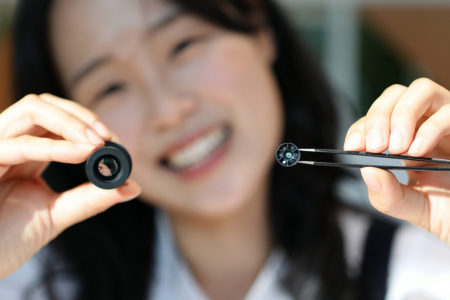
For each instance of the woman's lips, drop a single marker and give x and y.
(198, 153)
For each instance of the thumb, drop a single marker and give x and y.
(390, 197)
(85, 201)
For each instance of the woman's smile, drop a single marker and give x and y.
(197, 154)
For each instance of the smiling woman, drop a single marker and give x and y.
(200, 93)
(177, 84)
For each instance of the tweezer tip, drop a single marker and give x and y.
(307, 149)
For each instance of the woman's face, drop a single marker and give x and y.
(197, 106)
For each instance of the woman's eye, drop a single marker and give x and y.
(110, 89)
(182, 46)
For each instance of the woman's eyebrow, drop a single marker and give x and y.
(88, 69)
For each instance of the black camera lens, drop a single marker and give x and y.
(287, 154)
(108, 167)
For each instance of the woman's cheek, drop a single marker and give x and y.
(232, 73)
(216, 71)
(126, 121)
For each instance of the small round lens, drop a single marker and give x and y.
(287, 154)
(108, 166)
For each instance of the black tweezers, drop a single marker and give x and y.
(288, 155)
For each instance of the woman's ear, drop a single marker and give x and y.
(266, 42)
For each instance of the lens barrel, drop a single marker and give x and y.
(109, 167)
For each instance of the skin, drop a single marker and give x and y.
(219, 220)
(168, 95)
(411, 120)
(171, 97)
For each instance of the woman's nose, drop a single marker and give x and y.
(171, 111)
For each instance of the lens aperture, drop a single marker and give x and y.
(108, 166)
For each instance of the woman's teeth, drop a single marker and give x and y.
(196, 152)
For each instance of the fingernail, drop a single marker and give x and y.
(354, 141)
(93, 137)
(397, 139)
(416, 146)
(374, 139)
(125, 189)
(124, 186)
(115, 139)
(102, 130)
(128, 188)
(371, 180)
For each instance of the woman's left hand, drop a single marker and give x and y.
(412, 120)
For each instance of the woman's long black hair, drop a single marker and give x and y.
(110, 256)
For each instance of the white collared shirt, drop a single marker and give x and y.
(419, 268)
(174, 280)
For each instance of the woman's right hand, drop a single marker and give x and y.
(33, 132)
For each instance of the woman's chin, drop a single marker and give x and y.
(208, 206)
(219, 195)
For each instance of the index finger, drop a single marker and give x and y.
(31, 111)
(81, 112)
(423, 98)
